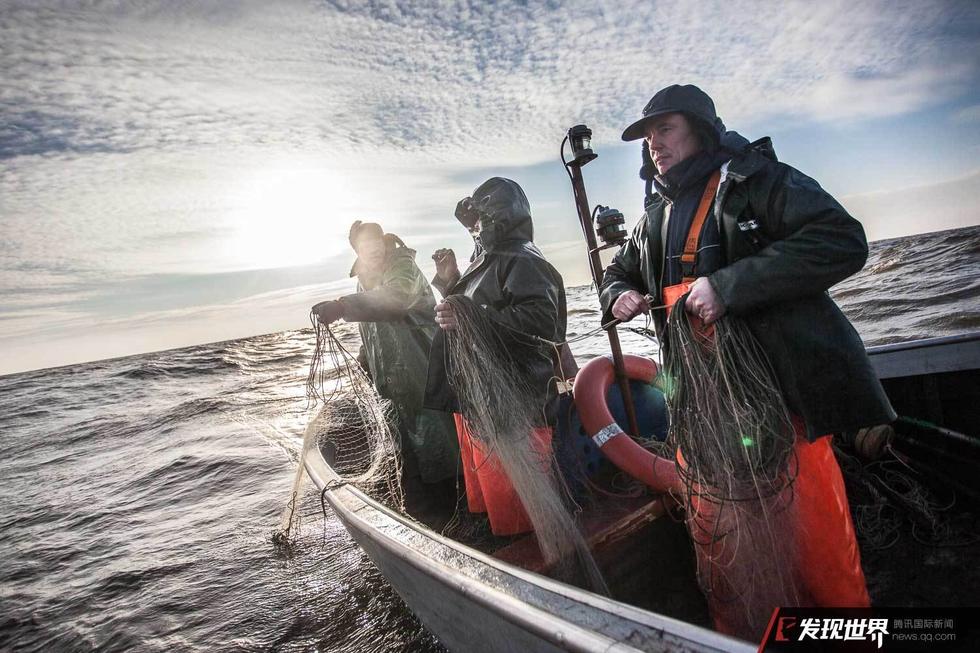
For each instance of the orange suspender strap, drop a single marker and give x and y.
(691, 244)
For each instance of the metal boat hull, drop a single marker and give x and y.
(473, 602)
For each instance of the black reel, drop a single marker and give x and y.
(610, 225)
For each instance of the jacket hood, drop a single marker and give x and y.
(754, 157)
(505, 214)
(733, 141)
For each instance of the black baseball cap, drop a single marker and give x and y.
(687, 99)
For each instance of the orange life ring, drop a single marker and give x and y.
(591, 385)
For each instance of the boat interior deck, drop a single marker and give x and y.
(637, 539)
(916, 503)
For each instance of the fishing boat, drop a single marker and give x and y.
(501, 598)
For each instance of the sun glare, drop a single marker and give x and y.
(287, 217)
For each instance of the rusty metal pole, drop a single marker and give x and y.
(585, 216)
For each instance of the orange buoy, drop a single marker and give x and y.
(591, 385)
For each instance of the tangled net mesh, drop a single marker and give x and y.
(489, 369)
(889, 502)
(734, 437)
(355, 430)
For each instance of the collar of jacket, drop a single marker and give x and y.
(742, 158)
(475, 265)
(737, 169)
(690, 174)
(753, 158)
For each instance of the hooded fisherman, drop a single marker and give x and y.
(751, 237)
(510, 281)
(394, 308)
(448, 273)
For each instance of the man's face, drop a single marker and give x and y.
(371, 251)
(670, 140)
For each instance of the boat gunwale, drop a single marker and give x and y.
(923, 343)
(546, 624)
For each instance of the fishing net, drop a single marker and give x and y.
(355, 429)
(889, 500)
(734, 437)
(489, 369)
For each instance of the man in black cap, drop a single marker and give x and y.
(395, 308)
(746, 235)
(771, 243)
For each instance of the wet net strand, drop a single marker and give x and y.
(889, 502)
(489, 368)
(733, 438)
(354, 428)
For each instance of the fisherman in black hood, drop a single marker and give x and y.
(755, 238)
(509, 277)
(512, 282)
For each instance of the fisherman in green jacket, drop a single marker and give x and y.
(394, 308)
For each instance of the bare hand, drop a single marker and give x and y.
(629, 305)
(329, 311)
(446, 316)
(446, 267)
(704, 302)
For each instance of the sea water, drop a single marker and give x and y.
(138, 495)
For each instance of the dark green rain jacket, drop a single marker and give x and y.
(786, 241)
(512, 280)
(396, 321)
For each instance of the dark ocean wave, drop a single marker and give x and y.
(190, 409)
(122, 583)
(39, 515)
(916, 287)
(157, 369)
(101, 518)
(37, 635)
(184, 478)
(583, 310)
(30, 413)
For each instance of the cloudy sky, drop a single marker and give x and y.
(180, 172)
